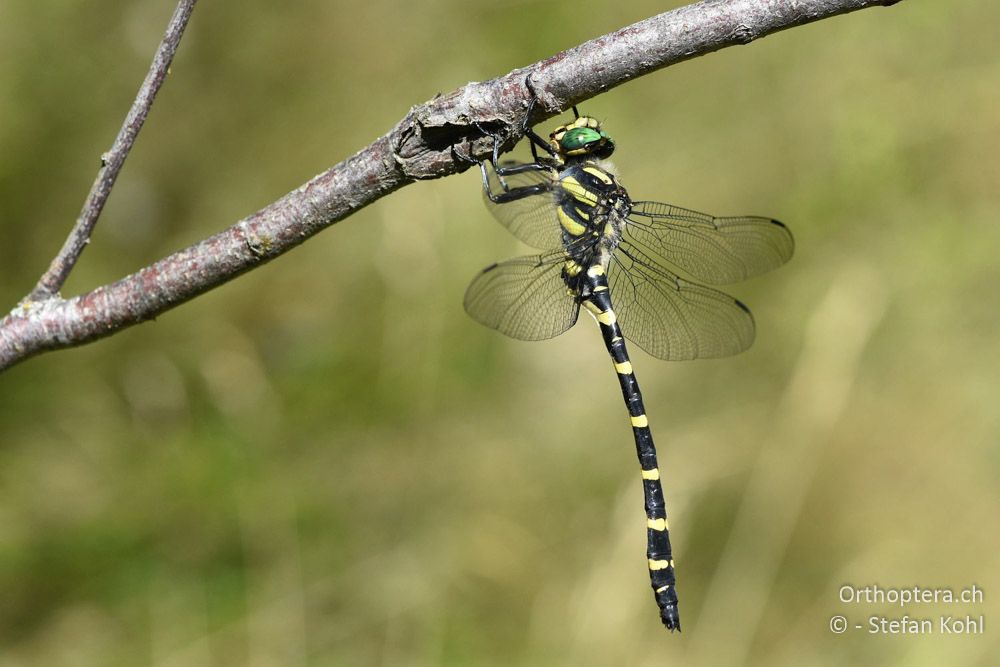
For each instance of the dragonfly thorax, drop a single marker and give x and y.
(591, 208)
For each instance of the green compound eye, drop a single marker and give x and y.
(579, 137)
(586, 141)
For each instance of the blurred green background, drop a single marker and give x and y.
(325, 462)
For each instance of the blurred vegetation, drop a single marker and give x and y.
(325, 462)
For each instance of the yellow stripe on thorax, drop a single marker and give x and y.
(599, 174)
(578, 192)
(574, 227)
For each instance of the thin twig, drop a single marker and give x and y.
(427, 143)
(111, 162)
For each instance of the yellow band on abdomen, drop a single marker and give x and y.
(657, 524)
(624, 368)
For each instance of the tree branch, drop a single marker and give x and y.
(111, 162)
(427, 143)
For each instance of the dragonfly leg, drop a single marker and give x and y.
(501, 171)
(536, 141)
(510, 194)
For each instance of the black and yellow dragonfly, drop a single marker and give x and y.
(609, 255)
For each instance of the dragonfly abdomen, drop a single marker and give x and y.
(659, 555)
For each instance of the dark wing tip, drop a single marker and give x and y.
(791, 237)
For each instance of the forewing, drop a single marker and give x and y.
(532, 219)
(672, 318)
(524, 298)
(718, 251)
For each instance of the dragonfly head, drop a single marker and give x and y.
(584, 137)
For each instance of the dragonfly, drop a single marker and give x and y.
(622, 261)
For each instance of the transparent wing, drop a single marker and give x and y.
(672, 318)
(718, 251)
(531, 219)
(524, 298)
